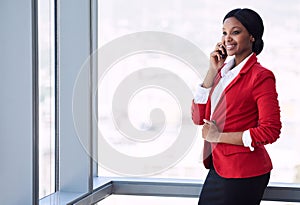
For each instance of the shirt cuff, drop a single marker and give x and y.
(201, 94)
(247, 140)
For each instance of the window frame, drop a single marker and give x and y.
(97, 188)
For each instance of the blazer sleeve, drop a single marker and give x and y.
(198, 113)
(266, 97)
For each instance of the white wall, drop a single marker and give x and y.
(16, 173)
(74, 49)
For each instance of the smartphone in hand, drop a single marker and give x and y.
(223, 55)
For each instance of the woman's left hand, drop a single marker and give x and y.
(210, 132)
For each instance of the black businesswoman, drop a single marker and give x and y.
(238, 107)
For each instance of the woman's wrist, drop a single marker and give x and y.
(234, 138)
(209, 79)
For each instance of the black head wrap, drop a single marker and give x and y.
(253, 23)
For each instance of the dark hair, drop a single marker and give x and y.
(253, 23)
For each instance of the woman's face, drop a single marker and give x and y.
(236, 38)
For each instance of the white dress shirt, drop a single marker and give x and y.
(228, 73)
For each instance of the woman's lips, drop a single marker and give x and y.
(230, 46)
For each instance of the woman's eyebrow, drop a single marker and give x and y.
(234, 27)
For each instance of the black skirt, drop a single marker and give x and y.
(217, 190)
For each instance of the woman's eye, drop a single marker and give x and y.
(236, 32)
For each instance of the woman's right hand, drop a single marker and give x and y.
(216, 60)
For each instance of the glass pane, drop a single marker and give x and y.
(46, 101)
(200, 23)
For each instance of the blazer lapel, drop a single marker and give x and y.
(252, 60)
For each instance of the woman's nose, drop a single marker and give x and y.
(227, 38)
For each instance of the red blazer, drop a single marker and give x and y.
(248, 102)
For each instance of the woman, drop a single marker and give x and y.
(238, 107)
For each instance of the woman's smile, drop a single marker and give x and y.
(230, 47)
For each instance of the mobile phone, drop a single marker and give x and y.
(223, 55)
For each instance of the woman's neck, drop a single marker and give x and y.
(238, 59)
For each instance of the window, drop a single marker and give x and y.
(158, 97)
(46, 99)
(128, 27)
(136, 94)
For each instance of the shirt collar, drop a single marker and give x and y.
(226, 70)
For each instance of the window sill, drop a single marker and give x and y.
(105, 186)
(59, 198)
